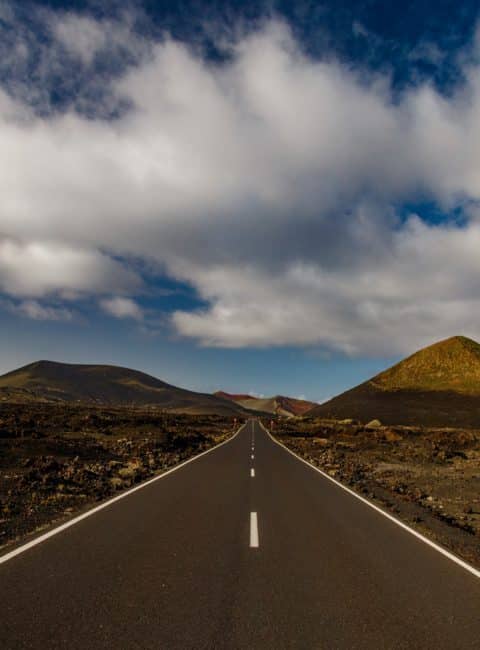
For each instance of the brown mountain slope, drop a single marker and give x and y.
(48, 380)
(452, 364)
(278, 405)
(437, 386)
(233, 397)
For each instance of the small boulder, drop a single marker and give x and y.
(373, 424)
(392, 436)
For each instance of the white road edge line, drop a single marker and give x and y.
(89, 513)
(254, 530)
(425, 540)
(252, 473)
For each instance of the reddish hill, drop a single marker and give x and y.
(232, 396)
(278, 405)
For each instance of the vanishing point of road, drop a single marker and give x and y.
(245, 547)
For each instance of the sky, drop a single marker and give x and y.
(266, 197)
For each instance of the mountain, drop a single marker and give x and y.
(437, 386)
(278, 405)
(49, 380)
(240, 397)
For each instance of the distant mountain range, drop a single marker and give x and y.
(51, 381)
(437, 386)
(278, 405)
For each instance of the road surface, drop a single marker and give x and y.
(215, 555)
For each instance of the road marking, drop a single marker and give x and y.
(396, 521)
(252, 473)
(253, 530)
(89, 513)
(253, 456)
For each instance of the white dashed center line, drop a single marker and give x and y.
(253, 456)
(252, 473)
(253, 530)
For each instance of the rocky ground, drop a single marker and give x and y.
(428, 477)
(56, 460)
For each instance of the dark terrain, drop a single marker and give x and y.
(173, 566)
(57, 459)
(99, 384)
(429, 477)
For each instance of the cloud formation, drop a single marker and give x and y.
(36, 311)
(41, 268)
(269, 182)
(122, 308)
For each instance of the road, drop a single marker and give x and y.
(180, 564)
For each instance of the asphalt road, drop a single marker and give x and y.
(171, 566)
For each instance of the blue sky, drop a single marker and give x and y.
(269, 197)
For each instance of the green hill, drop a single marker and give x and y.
(453, 364)
(49, 380)
(437, 386)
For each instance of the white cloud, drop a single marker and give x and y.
(426, 289)
(122, 308)
(85, 37)
(36, 311)
(81, 36)
(267, 182)
(40, 268)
